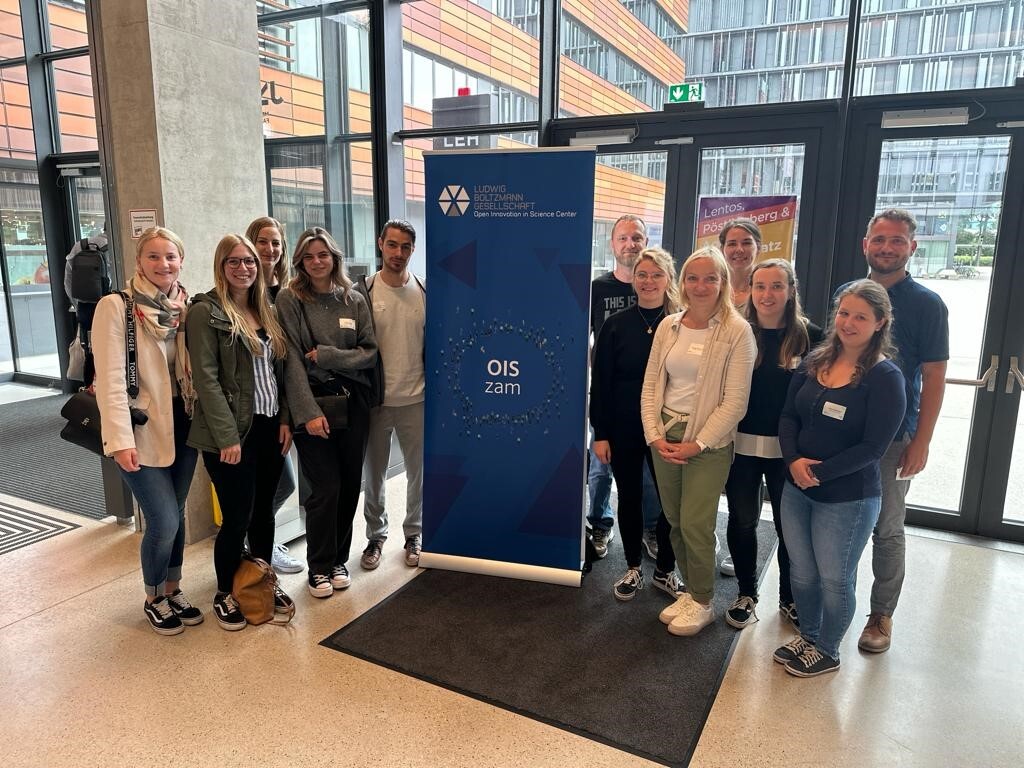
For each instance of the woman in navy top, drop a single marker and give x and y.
(784, 336)
(842, 410)
(620, 360)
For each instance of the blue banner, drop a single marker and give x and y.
(508, 244)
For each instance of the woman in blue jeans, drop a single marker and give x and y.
(842, 410)
(154, 460)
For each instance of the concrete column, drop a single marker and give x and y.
(177, 86)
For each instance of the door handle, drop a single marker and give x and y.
(1014, 373)
(987, 380)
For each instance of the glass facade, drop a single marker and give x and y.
(487, 50)
(315, 85)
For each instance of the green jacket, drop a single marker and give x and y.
(223, 377)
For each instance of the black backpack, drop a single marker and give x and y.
(90, 272)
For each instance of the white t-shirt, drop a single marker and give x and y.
(682, 364)
(399, 317)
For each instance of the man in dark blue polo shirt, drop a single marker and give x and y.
(921, 335)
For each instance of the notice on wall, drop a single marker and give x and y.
(775, 215)
(141, 219)
(508, 237)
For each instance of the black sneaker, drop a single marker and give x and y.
(161, 617)
(627, 587)
(741, 612)
(791, 650)
(320, 585)
(229, 616)
(340, 578)
(812, 663)
(668, 583)
(282, 603)
(184, 610)
(788, 610)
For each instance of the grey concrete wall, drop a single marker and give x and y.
(182, 134)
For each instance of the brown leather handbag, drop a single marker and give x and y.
(253, 588)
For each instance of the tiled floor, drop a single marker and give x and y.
(85, 682)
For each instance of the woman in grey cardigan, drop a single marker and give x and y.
(330, 345)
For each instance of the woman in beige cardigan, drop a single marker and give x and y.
(695, 393)
(153, 458)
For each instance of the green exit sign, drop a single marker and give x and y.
(685, 92)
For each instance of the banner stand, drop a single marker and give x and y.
(559, 576)
(508, 256)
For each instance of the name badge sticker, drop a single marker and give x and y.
(834, 411)
(695, 349)
(346, 323)
(379, 306)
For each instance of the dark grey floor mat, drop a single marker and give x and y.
(20, 527)
(574, 658)
(35, 464)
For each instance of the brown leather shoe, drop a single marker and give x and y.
(877, 634)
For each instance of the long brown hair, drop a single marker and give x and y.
(824, 356)
(300, 284)
(257, 297)
(795, 340)
(253, 233)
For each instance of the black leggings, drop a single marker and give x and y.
(628, 457)
(246, 494)
(334, 469)
(743, 492)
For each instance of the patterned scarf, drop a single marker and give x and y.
(163, 317)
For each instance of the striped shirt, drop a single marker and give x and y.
(265, 397)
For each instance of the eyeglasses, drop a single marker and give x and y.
(234, 263)
(640, 276)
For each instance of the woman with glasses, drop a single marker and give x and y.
(241, 421)
(620, 359)
(332, 349)
(784, 335)
(842, 410)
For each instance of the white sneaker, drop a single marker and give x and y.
(671, 611)
(692, 620)
(726, 568)
(282, 562)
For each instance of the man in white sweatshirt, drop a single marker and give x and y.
(397, 300)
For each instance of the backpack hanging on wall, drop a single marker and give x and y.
(90, 272)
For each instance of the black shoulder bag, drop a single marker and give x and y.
(83, 412)
(328, 390)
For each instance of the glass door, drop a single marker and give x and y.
(956, 188)
(777, 177)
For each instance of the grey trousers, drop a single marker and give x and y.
(888, 543)
(406, 421)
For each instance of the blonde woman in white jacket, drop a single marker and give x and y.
(153, 458)
(695, 393)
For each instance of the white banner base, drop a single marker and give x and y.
(558, 576)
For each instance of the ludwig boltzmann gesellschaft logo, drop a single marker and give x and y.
(454, 200)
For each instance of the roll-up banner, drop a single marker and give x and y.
(508, 250)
